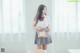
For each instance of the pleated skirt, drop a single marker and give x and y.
(43, 41)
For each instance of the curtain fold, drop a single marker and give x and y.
(11, 20)
(65, 16)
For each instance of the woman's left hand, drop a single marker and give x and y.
(48, 29)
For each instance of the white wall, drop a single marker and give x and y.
(20, 43)
(65, 22)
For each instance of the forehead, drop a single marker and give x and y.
(45, 8)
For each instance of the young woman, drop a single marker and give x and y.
(41, 17)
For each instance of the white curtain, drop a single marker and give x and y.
(65, 16)
(11, 20)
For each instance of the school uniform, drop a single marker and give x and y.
(43, 24)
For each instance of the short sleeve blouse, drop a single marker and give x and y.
(45, 23)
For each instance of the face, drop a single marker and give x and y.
(44, 10)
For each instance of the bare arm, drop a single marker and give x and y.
(48, 28)
(34, 25)
(37, 28)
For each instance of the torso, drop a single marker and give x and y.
(43, 23)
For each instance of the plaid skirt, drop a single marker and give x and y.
(43, 41)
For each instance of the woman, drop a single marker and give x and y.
(41, 17)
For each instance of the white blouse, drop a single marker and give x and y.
(45, 23)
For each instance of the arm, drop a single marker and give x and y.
(34, 25)
(48, 28)
(37, 28)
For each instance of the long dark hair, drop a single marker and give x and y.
(39, 13)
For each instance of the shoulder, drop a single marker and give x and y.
(47, 17)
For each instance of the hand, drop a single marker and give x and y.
(42, 37)
(48, 29)
(40, 29)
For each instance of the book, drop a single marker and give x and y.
(42, 34)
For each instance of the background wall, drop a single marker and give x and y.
(20, 43)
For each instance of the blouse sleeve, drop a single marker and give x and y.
(48, 23)
(48, 20)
